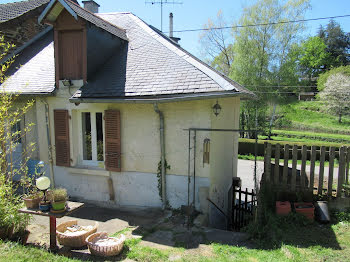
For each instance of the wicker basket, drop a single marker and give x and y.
(105, 251)
(72, 241)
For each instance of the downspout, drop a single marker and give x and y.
(162, 151)
(47, 120)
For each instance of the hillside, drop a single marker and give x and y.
(310, 116)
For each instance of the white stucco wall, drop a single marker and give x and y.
(137, 184)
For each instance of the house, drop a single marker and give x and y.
(115, 97)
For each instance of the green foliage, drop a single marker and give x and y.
(12, 109)
(338, 44)
(58, 195)
(159, 176)
(322, 79)
(312, 56)
(341, 216)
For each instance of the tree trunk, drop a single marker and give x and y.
(339, 119)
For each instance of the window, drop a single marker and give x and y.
(92, 137)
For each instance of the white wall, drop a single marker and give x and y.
(137, 184)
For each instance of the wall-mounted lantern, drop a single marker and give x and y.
(216, 109)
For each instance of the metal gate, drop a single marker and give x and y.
(242, 207)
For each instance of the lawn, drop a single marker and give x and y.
(287, 242)
(310, 115)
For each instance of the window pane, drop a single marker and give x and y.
(86, 128)
(99, 136)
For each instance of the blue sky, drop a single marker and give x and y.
(195, 13)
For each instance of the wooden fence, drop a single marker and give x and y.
(305, 177)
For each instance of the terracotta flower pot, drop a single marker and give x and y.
(32, 203)
(21, 237)
(305, 208)
(283, 208)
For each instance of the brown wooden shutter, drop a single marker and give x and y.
(112, 148)
(61, 118)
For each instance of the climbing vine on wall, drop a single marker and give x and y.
(159, 176)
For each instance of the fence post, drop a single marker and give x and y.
(267, 160)
(285, 164)
(312, 167)
(277, 163)
(341, 170)
(303, 166)
(347, 166)
(331, 170)
(321, 173)
(294, 167)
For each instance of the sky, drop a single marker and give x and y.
(193, 14)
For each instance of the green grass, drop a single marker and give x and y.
(11, 251)
(311, 115)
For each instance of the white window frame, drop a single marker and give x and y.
(94, 162)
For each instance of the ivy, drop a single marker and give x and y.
(159, 176)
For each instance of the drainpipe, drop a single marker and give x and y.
(47, 120)
(162, 151)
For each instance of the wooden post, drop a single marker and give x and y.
(53, 243)
(341, 170)
(331, 170)
(347, 166)
(267, 159)
(321, 173)
(277, 164)
(294, 167)
(285, 164)
(312, 167)
(303, 166)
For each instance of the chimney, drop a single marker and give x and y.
(171, 29)
(171, 25)
(91, 6)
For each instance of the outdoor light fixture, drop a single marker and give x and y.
(216, 108)
(67, 82)
(43, 184)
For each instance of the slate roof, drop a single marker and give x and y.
(148, 66)
(12, 10)
(152, 65)
(36, 73)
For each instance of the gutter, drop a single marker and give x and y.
(47, 120)
(162, 151)
(164, 99)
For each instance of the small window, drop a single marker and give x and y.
(16, 132)
(87, 147)
(99, 136)
(206, 151)
(92, 136)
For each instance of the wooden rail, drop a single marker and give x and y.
(303, 176)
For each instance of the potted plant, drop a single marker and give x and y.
(21, 233)
(58, 197)
(31, 194)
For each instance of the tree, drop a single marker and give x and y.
(336, 94)
(338, 44)
(11, 112)
(262, 60)
(216, 45)
(312, 57)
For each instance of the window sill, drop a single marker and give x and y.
(89, 171)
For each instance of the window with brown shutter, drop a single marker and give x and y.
(61, 118)
(112, 140)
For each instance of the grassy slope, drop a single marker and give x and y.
(310, 115)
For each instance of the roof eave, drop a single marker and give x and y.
(163, 99)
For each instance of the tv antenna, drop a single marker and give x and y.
(161, 3)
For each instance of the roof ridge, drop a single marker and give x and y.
(94, 15)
